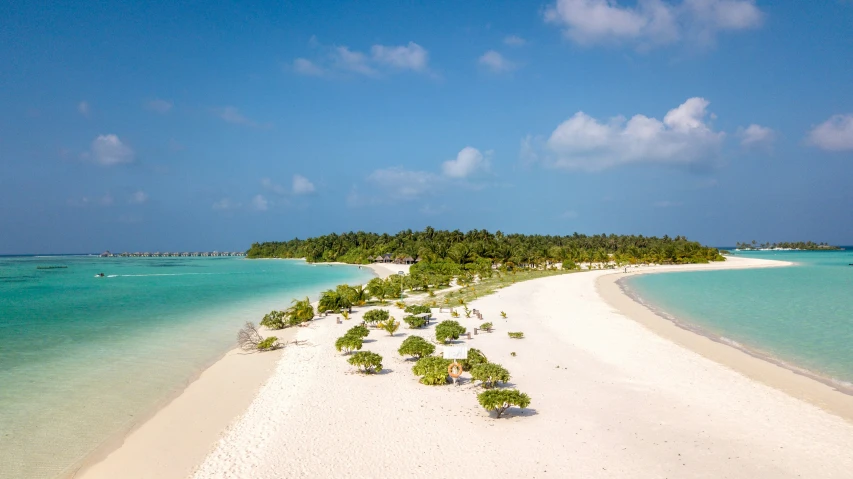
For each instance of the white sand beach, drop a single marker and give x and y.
(612, 396)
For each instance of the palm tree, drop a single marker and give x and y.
(300, 311)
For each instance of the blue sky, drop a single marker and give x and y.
(211, 125)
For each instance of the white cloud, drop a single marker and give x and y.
(403, 184)
(651, 23)
(468, 161)
(302, 186)
(307, 67)
(408, 57)
(275, 188)
(515, 41)
(159, 106)
(496, 62)
(756, 136)
(584, 143)
(138, 197)
(84, 109)
(231, 114)
(225, 204)
(260, 203)
(835, 134)
(353, 61)
(108, 150)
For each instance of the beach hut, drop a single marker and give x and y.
(370, 258)
(386, 258)
(408, 260)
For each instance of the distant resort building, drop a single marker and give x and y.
(107, 254)
(387, 258)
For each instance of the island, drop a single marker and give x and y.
(787, 246)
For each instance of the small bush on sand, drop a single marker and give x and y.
(366, 361)
(400, 304)
(475, 357)
(375, 316)
(432, 369)
(390, 325)
(269, 344)
(414, 321)
(416, 346)
(503, 315)
(348, 343)
(275, 320)
(499, 400)
(358, 331)
(447, 330)
(489, 374)
(417, 309)
(517, 335)
(487, 327)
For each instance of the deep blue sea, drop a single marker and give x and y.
(801, 315)
(82, 356)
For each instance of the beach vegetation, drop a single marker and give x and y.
(448, 330)
(432, 369)
(417, 309)
(345, 314)
(475, 357)
(489, 374)
(358, 331)
(416, 347)
(454, 314)
(503, 314)
(487, 326)
(268, 344)
(414, 321)
(499, 400)
(275, 320)
(250, 339)
(391, 325)
(360, 294)
(348, 343)
(512, 354)
(333, 300)
(516, 335)
(376, 288)
(375, 316)
(300, 311)
(367, 362)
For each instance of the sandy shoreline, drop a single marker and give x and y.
(612, 397)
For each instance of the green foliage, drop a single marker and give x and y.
(345, 314)
(489, 374)
(367, 361)
(269, 344)
(376, 288)
(400, 304)
(487, 326)
(475, 357)
(516, 335)
(417, 309)
(335, 299)
(358, 331)
(503, 315)
(801, 245)
(570, 265)
(447, 330)
(348, 343)
(275, 320)
(512, 354)
(375, 316)
(499, 400)
(414, 321)
(390, 325)
(454, 314)
(417, 347)
(432, 369)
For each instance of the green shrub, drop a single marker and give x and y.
(503, 315)
(475, 357)
(416, 347)
(486, 326)
(432, 369)
(375, 316)
(517, 335)
(414, 321)
(275, 320)
(512, 354)
(390, 325)
(490, 374)
(358, 331)
(367, 361)
(348, 343)
(417, 309)
(499, 400)
(447, 330)
(268, 344)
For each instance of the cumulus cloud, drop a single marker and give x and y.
(307, 67)
(158, 105)
(835, 134)
(108, 150)
(756, 136)
(84, 109)
(495, 62)
(225, 204)
(400, 183)
(346, 59)
(585, 143)
(408, 57)
(468, 161)
(138, 198)
(260, 203)
(302, 186)
(514, 40)
(650, 23)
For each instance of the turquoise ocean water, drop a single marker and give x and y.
(801, 315)
(82, 357)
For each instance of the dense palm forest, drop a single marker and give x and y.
(803, 245)
(479, 249)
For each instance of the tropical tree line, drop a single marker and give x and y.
(802, 245)
(479, 249)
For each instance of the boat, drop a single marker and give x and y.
(99, 275)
